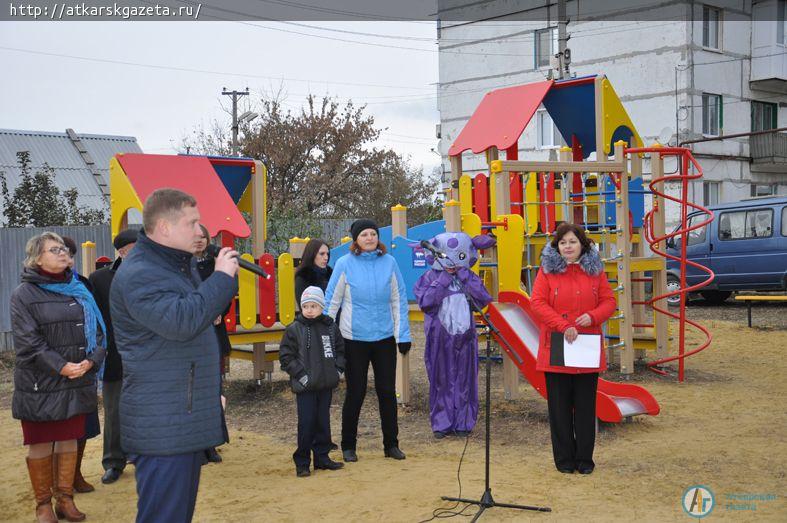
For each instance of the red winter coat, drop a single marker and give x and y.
(564, 292)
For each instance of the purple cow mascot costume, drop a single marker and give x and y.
(451, 341)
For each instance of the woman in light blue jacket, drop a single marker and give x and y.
(368, 287)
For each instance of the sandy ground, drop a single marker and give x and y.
(722, 428)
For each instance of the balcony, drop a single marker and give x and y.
(769, 153)
(769, 48)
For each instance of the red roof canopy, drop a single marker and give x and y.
(191, 174)
(500, 118)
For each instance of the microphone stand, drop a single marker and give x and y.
(486, 501)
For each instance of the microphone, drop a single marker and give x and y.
(426, 244)
(214, 250)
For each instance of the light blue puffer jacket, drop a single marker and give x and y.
(370, 291)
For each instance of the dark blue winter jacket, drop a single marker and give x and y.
(162, 315)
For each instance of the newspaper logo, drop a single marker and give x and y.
(698, 501)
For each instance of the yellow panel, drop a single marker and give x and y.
(244, 204)
(286, 276)
(247, 295)
(615, 116)
(465, 194)
(510, 244)
(122, 195)
(471, 225)
(559, 207)
(531, 196)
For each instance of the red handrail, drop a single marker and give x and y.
(686, 159)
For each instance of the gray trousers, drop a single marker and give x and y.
(114, 457)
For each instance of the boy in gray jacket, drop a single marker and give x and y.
(312, 353)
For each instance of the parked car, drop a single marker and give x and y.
(745, 246)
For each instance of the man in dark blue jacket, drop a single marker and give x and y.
(162, 314)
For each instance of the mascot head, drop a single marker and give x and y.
(461, 250)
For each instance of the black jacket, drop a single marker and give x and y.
(162, 314)
(101, 281)
(310, 277)
(48, 333)
(205, 267)
(313, 348)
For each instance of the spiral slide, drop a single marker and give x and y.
(512, 316)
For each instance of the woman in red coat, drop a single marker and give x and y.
(571, 295)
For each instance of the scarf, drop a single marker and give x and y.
(93, 318)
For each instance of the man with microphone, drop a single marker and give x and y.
(162, 314)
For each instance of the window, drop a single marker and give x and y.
(711, 27)
(763, 116)
(784, 221)
(746, 224)
(698, 235)
(768, 189)
(544, 47)
(710, 193)
(781, 22)
(548, 135)
(712, 118)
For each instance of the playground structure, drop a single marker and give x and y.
(520, 202)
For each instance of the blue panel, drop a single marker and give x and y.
(622, 133)
(636, 202)
(573, 111)
(426, 230)
(235, 179)
(404, 256)
(338, 252)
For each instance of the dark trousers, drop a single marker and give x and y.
(114, 457)
(572, 418)
(167, 487)
(314, 427)
(358, 355)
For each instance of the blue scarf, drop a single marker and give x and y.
(93, 318)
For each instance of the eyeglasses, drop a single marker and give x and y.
(59, 250)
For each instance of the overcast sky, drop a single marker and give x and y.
(159, 105)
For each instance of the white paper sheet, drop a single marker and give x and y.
(585, 352)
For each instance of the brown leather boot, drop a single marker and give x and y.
(80, 485)
(66, 464)
(40, 471)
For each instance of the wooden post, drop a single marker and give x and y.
(638, 288)
(493, 154)
(88, 258)
(566, 155)
(297, 245)
(661, 328)
(502, 206)
(456, 173)
(452, 216)
(258, 182)
(623, 264)
(399, 228)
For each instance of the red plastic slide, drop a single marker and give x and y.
(512, 316)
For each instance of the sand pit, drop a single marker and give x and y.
(723, 428)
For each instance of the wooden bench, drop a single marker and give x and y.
(750, 298)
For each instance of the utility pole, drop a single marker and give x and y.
(563, 53)
(235, 95)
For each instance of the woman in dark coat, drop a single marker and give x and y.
(313, 270)
(92, 424)
(59, 342)
(205, 266)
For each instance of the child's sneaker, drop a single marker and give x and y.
(302, 472)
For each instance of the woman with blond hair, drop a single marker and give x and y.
(59, 341)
